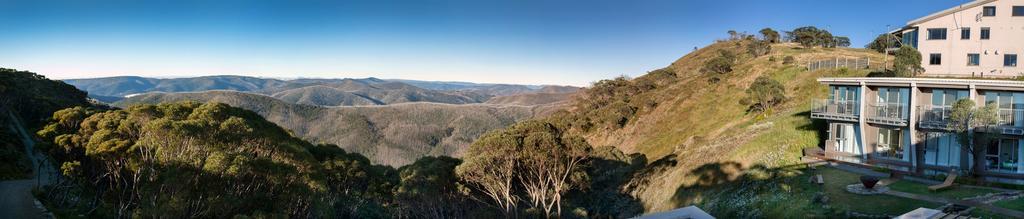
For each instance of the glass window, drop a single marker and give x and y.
(1010, 60)
(973, 59)
(937, 33)
(988, 11)
(1002, 155)
(889, 143)
(935, 59)
(985, 33)
(1018, 11)
(965, 33)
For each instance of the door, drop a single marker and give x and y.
(846, 139)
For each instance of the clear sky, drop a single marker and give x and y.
(514, 41)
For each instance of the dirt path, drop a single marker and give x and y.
(16, 200)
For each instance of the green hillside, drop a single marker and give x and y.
(686, 120)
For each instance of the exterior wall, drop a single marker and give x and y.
(1007, 32)
(941, 151)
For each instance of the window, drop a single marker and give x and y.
(889, 143)
(985, 33)
(1018, 11)
(965, 33)
(1002, 156)
(988, 11)
(935, 59)
(973, 59)
(1010, 60)
(937, 33)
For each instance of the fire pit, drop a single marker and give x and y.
(868, 181)
(868, 186)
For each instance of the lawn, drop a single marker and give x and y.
(835, 187)
(957, 192)
(1017, 204)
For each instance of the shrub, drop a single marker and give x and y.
(764, 93)
(908, 62)
(720, 64)
(759, 48)
(788, 60)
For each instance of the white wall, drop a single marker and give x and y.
(1007, 36)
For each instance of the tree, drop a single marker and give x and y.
(429, 188)
(811, 36)
(765, 93)
(759, 48)
(533, 162)
(720, 64)
(770, 35)
(882, 42)
(841, 41)
(964, 119)
(733, 35)
(907, 62)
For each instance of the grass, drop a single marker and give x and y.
(957, 192)
(835, 188)
(1017, 204)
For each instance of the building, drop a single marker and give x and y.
(900, 124)
(982, 38)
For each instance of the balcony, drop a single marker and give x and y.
(934, 117)
(1011, 122)
(843, 110)
(894, 114)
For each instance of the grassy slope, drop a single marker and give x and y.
(698, 122)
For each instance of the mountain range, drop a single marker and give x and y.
(392, 122)
(322, 92)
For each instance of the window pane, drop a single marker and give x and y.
(1018, 10)
(985, 33)
(965, 33)
(935, 59)
(989, 11)
(937, 33)
(1010, 60)
(973, 59)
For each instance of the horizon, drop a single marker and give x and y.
(528, 42)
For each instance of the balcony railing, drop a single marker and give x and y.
(888, 113)
(1009, 121)
(934, 117)
(845, 110)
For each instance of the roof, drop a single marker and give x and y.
(920, 213)
(958, 8)
(928, 82)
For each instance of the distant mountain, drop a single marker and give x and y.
(391, 134)
(323, 92)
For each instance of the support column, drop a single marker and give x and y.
(912, 124)
(861, 121)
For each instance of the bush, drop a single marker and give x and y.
(764, 93)
(721, 64)
(882, 74)
(788, 60)
(908, 62)
(759, 48)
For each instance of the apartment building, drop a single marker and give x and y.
(982, 38)
(885, 121)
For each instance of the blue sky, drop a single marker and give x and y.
(515, 41)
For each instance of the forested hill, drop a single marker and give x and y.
(392, 134)
(31, 99)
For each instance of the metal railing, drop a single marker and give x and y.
(935, 117)
(888, 113)
(839, 62)
(835, 107)
(887, 151)
(1008, 117)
